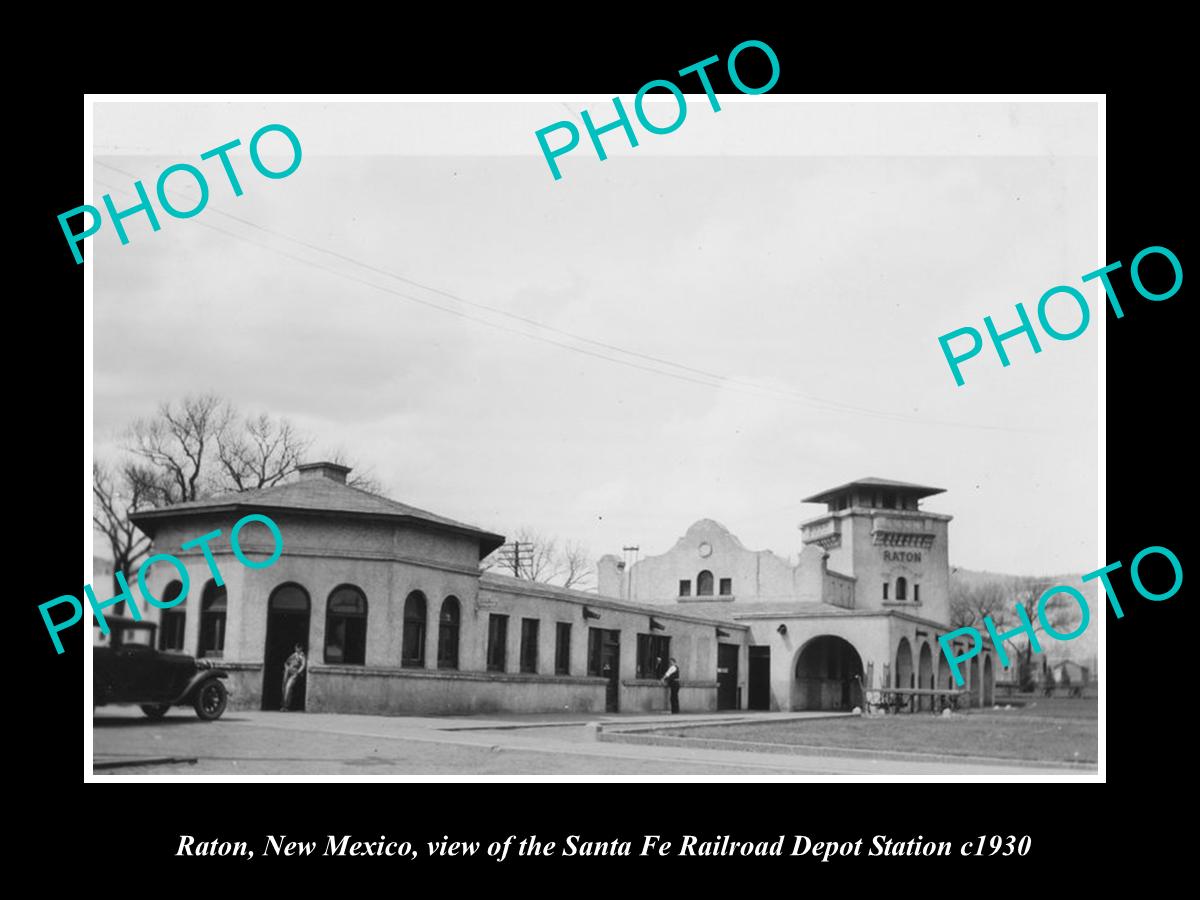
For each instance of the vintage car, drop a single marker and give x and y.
(127, 669)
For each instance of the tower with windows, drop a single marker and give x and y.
(875, 531)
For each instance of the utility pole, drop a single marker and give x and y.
(516, 554)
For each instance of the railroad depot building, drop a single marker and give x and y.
(396, 616)
(863, 606)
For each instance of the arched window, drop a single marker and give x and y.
(212, 620)
(170, 634)
(413, 650)
(901, 588)
(448, 634)
(346, 627)
(704, 584)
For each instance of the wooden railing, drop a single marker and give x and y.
(905, 699)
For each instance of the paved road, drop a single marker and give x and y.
(256, 743)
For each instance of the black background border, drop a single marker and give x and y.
(1147, 455)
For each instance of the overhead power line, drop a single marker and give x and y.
(722, 381)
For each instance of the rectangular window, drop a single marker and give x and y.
(529, 645)
(916, 593)
(447, 655)
(595, 645)
(685, 587)
(171, 636)
(346, 640)
(726, 587)
(885, 584)
(212, 634)
(346, 627)
(604, 653)
(497, 642)
(562, 649)
(653, 651)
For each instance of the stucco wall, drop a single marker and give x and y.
(693, 641)
(386, 584)
(869, 635)
(386, 563)
(860, 557)
(652, 696)
(244, 685)
(394, 691)
(760, 574)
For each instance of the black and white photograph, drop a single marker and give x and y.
(491, 438)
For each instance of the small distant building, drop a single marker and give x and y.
(1070, 672)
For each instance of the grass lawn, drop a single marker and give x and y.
(1027, 737)
(1059, 707)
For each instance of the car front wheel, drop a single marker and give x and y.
(155, 711)
(210, 701)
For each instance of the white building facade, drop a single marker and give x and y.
(863, 606)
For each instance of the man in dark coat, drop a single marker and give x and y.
(671, 680)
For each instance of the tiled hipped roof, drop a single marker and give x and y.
(919, 490)
(732, 610)
(316, 495)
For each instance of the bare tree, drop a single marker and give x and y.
(542, 562)
(202, 446)
(577, 566)
(970, 602)
(542, 559)
(363, 478)
(176, 444)
(258, 452)
(117, 494)
(189, 450)
(999, 597)
(1058, 613)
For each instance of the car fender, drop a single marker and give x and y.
(203, 675)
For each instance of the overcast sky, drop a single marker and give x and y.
(811, 253)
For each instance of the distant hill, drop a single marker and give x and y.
(1081, 649)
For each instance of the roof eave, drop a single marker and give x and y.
(146, 519)
(920, 491)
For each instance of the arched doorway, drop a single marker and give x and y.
(989, 682)
(287, 626)
(974, 682)
(904, 665)
(827, 673)
(925, 675)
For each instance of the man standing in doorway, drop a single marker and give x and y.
(671, 680)
(293, 669)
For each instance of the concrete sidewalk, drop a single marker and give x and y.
(626, 721)
(254, 742)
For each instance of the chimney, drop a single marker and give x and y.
(330, 470)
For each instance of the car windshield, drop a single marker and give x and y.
(142, 636)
